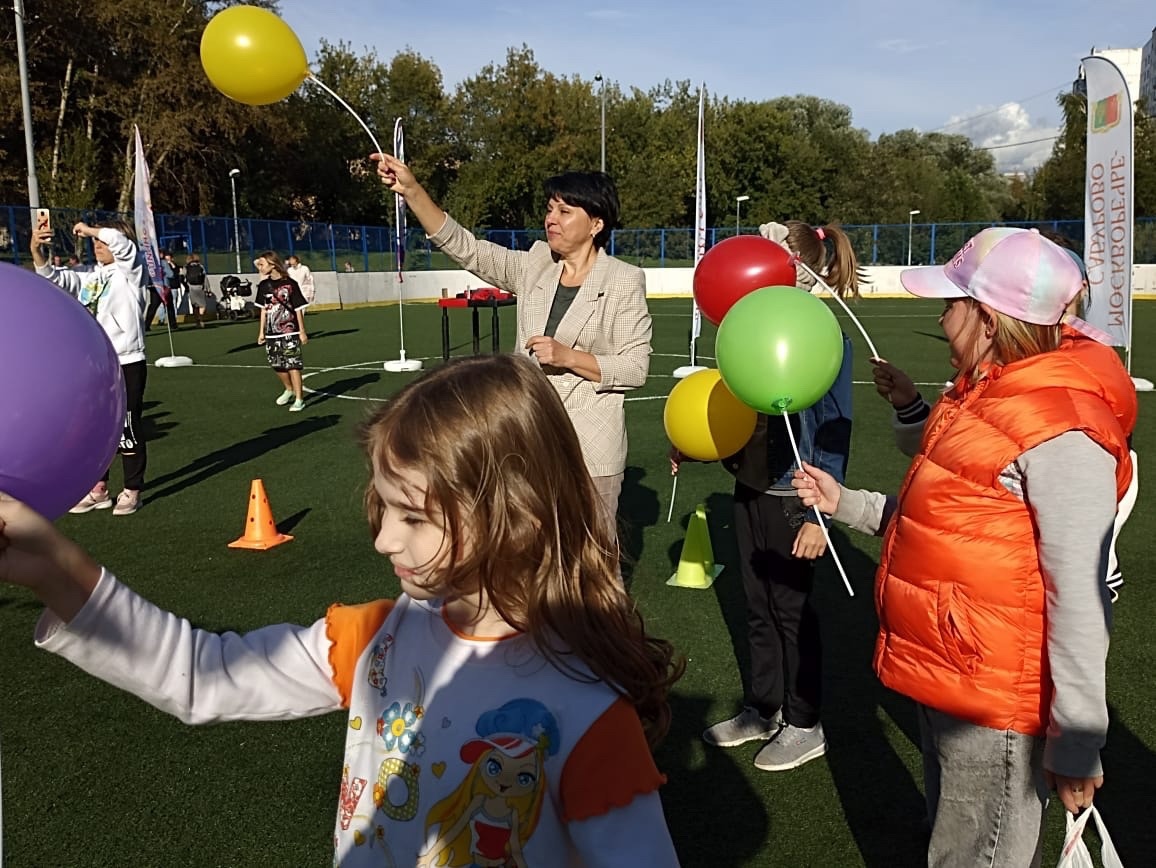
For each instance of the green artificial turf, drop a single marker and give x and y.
(94, 777)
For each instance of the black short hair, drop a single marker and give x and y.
(593, 192)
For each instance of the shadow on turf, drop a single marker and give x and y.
(286, 525)
(321, 333)
(638, 509)
(939, 336)
(887, 821)
(342, 387)
(207, 466)
(722, 821)
(1126, 799)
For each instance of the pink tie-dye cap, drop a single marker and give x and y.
(1016, 271)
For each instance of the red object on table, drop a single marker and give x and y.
(484, 297)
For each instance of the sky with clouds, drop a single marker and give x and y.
(986, 69)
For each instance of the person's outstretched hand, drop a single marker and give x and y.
(35, 555)
(893, 383)
(395, 174)
(817, 488)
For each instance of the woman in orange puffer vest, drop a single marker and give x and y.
(993, 610)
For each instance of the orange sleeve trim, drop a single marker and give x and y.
(609, 767)
(349, 629)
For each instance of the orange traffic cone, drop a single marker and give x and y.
(260, 530)
(696, 566)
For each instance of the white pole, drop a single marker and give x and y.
(598, 78)
(26, 106)
(910, 226)
(233, 173)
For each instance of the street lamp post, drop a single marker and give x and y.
(910, 226)
(738, 205)
(26, 106)
(598, 78)
(233, 173)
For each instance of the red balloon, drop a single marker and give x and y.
(736, 266)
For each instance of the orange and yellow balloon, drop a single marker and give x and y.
(704, 420)
(252, 56)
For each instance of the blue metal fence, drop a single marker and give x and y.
(227, 248)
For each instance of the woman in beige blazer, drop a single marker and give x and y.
(581, 313)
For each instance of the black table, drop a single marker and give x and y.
(473, 304)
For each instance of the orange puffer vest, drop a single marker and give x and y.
(959, 591)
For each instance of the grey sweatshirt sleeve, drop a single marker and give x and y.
(864, 511)
(1070, 487)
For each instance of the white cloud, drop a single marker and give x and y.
(1006, 125)
(901, 46)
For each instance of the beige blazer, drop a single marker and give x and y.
(608, 319)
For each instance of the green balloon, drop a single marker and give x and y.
(779, 349)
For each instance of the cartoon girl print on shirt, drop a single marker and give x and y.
(92, 291)
(491, 815)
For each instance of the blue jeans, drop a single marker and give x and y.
(985, 791)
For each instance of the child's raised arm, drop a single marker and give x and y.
(36, 555)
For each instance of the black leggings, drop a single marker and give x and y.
(155, 302)
(133, 453)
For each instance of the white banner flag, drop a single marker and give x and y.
(699, 214)
(1108, 204)
(145, 225)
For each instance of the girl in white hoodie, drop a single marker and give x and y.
(116, 293)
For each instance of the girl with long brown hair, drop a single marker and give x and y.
(501, 709)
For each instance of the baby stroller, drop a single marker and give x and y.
(232, 303)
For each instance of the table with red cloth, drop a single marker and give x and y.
(474, 301)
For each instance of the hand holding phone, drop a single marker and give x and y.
(43, 220)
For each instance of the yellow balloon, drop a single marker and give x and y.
(252, 56)
(704, 420)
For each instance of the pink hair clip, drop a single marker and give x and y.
(819, 231)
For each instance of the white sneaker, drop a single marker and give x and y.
(747, 725)
(127, 502)
(298, 406)
(791, 748)
(285, 398)
(93, 500)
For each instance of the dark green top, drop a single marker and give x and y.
(563, 298)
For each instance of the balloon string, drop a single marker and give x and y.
(843, 304)
(819, 515)
(673, 490)
(311, 77)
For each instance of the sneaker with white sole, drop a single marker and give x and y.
(747, 725)
(791, 748)
(127, 502)
(298, 406)
(93, 500)
(285, 397)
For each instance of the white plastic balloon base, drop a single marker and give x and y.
(1142, 385)
(399, 365)
(173, 362)
(686, 371)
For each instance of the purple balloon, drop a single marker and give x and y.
(63, 407)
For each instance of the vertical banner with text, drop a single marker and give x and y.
(145, 225)
(1108, 203)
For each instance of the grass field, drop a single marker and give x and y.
(93, 777)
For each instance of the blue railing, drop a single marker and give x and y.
(337, 247)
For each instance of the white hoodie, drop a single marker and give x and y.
(116, 294)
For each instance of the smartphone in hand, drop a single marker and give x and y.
(43, 220)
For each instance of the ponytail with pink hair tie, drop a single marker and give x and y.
(819, 231)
